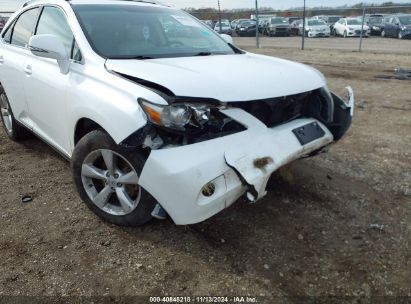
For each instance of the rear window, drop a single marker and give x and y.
(24, 27)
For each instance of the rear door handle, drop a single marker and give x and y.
(1, 59)
(28, 70)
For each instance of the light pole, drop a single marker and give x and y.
(257, 33)
(219, 17)
(303, 41)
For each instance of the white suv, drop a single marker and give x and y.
(158, 113)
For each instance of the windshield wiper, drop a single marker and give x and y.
(141, 57)
(204, 54)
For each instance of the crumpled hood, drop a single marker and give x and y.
(226, 78)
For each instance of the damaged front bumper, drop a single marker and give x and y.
(195, 182)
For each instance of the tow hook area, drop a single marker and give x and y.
(343, 114)
(259, 163)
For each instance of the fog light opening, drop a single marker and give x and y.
(208, 190)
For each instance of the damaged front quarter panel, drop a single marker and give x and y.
(180, 176)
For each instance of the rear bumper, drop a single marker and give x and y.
(175, 177)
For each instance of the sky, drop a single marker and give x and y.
(11, 5)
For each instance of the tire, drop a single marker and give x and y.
(383, 34)
(106, 191)
(13, 130)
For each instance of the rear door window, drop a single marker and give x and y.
(24, 27)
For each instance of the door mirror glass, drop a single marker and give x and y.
(49, 46)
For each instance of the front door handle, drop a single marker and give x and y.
(28, 70)
(1, 59)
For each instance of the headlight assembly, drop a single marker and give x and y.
(177, 116)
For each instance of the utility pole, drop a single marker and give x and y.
(257, 33)
(304, 16)
(362, 27)
(219, 17)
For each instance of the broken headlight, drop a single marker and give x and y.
(178, 116)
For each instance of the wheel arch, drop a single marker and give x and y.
(83, 127)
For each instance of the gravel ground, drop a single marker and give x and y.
(372, 44)
(338, 224)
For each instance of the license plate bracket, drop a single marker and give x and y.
(308, 133)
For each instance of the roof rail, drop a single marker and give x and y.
(144, 1)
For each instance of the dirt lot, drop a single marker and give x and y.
(339, 225)
(372, 44)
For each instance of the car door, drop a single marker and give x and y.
(45, 85)
(396, 27)
(389, 27)
(339, 27)
(13, 56)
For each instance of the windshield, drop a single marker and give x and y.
(143, 32)
(248, 23)
(354, 22)
(223, 24)
(375, 20)
(315, 22)
(405, 19)
(279, 21)
(334, 19)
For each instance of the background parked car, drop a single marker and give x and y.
(224, 29)
(3, 21)
(397, 26)
(331, 21)
(374, 22)
(277, 26)
(247, 28)
(295, 27)
(292, 19)
(237, 22)
(350, 27)
(314, 28)
(208, 23)
(262, 24)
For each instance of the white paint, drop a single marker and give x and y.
(240, 77)
(51, 103)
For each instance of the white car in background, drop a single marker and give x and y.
(315, 28)
(149, 106)
(351, 27)
(224, 29)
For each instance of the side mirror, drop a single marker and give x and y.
(227, 38)
(49, 46)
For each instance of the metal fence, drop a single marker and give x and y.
(373, 43)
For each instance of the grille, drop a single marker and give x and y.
(275, 111)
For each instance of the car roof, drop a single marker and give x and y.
(137, 2)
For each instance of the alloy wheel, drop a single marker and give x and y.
(111, 182)
(6, 113)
